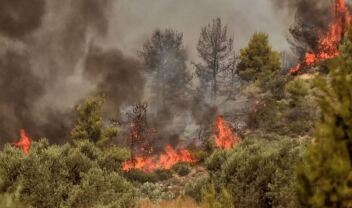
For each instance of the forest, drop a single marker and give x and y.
(87, 124)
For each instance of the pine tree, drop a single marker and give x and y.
(215, 49)
(258, 61)
(325, 175)
(90, 124)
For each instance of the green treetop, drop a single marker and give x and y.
(90, 124)
(258, 61)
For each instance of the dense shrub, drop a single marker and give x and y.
(257, 173)
(194, 187)
(155, 192)
(79, 175)
(182, 169)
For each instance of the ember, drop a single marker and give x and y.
(24, 143)
(328, 45)
(224, 136)
(165, 160)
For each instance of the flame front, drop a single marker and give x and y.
(328, 47)
(224, 136)
(165, 160)
(24, 143)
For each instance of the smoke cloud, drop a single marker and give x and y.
(120, 78)
(55, 53)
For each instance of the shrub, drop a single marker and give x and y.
(64, 176)
(194, 187)
(182, 169)
(155, 192)
(258, 172)
(213, 199)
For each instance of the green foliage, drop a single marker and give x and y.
(11, 200)
(258, 172)
(194, 187)
(65, 176)
(211, 199)
(182, 169)
(299, 107)
(276, 108)
(140, 176)
(258, 61)
(90, 125)
(325, 175)
(155, 192)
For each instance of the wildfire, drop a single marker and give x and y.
(224, 136)
(165, 160)
(24, 143)
(328, 45)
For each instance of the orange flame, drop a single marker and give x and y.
(224, 136)
(166, 160)
(24, 143)
(328, 45)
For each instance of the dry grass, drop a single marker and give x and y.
(177, 203)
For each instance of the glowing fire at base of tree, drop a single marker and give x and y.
(24, 143)
(225, 138)
(165, 160)
(328, 45)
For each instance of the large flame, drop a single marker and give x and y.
(328, 44)
(225, 138)
(24, 143)
(165, 160)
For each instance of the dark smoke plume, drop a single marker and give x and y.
(18, 18)
(120, 78)
(19, 89)
(42, 43)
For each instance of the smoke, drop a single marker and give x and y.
(120, 78)
(55, 53)
(19, 18)
(311, 18)
(43, 44)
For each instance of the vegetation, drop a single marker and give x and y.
(325, 175)
(258, 172)
(282, 160)
(215, 49)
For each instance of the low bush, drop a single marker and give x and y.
(74, 176)
(258, 172)
(155, 192)
(182, 169)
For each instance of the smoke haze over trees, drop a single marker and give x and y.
(64, 51)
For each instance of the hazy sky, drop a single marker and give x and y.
(132, 21)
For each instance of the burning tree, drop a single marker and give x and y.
(139, 130)
(143, 156)
(24, 143)
(327, 45)
(225, 138)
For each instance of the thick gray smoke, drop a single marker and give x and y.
(42, 45)
(19, 18)
(55, 53)
(120, 78)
